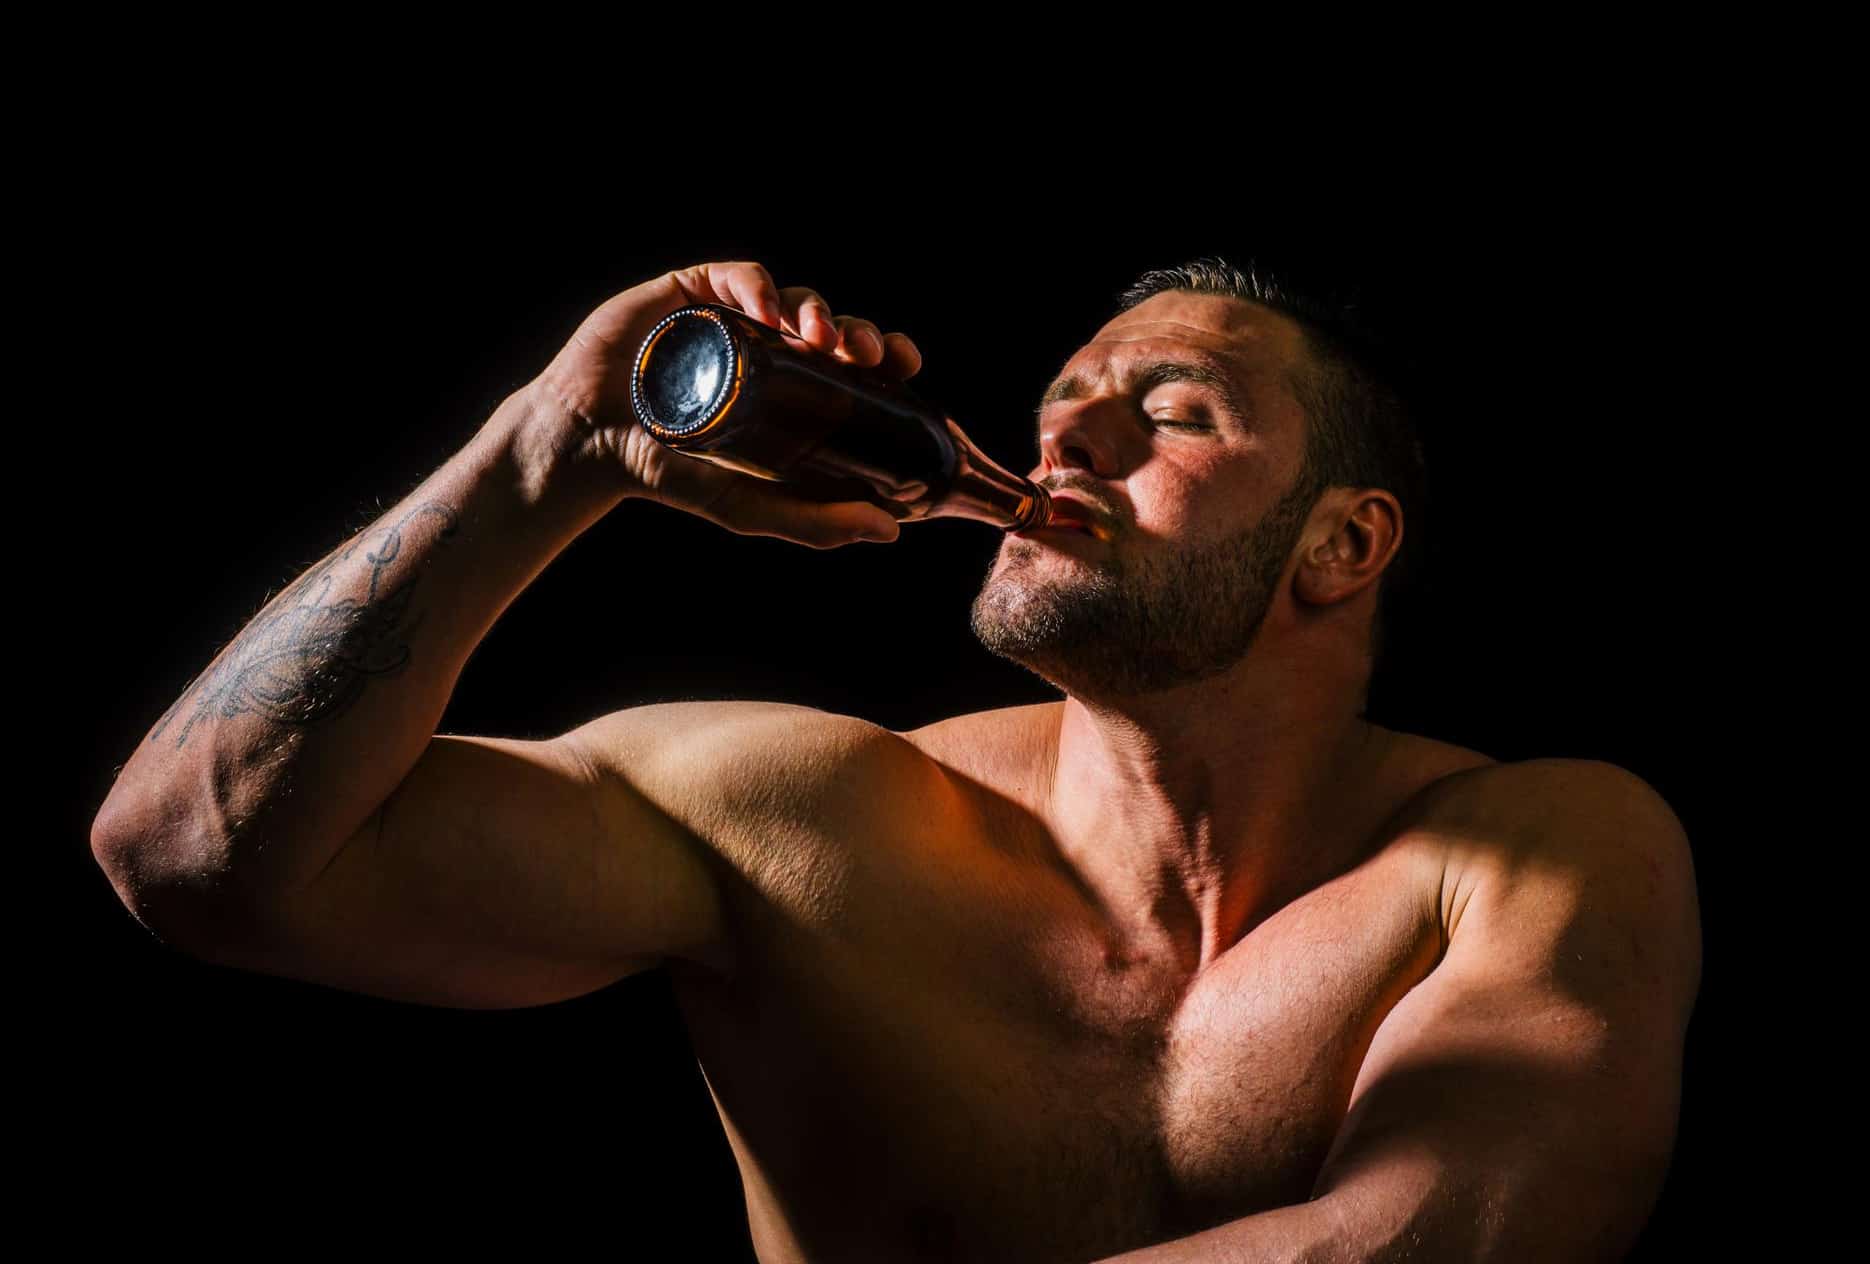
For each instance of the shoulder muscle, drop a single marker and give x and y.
(774, 791)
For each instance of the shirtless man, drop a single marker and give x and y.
(1194, 964)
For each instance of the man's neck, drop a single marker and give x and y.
(1196, 813)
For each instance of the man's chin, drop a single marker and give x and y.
(1027, 627)
(1046, 546)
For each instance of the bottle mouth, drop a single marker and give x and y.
(1038, 510)
(688, 374)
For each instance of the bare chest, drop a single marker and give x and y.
(959, 1067)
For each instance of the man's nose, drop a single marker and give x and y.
(1080, 438)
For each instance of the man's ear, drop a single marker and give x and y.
(1364, 529)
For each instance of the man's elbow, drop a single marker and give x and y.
(1581, 1210)
(168, 881)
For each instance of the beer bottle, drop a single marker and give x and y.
(711, 382)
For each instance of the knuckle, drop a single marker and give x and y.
(754, 273)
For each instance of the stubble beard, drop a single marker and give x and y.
(1103, 625)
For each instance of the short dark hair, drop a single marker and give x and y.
(1361, 429)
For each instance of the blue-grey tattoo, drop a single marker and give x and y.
(307, 656)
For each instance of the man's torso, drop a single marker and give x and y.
(930, 1047)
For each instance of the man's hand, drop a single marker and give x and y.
(590, 380)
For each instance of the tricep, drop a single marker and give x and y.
(499, 874)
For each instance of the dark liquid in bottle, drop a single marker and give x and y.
(713, 383)
(843, 438)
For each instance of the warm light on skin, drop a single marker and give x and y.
(1212, 645)
(1172, 419)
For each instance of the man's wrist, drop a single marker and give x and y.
(553, 454)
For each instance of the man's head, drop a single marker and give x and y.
(1226, 427)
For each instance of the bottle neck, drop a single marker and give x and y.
(989, 493)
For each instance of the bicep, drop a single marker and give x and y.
(499, 874)
(1523, 1098)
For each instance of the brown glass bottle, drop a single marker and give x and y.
(711, 382)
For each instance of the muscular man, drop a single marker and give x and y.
(1193, 964)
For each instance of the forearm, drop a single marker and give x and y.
(304, 724)
(1403, 1211)
(1306, 1233)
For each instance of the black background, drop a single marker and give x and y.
(298, 342)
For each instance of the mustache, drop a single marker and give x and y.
(1084, 493)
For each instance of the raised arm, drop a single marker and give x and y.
(305, 759)
(501, 874)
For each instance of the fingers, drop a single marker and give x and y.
(808, 316)
(861, 342)
(745, 285)
(802, 313)
(752, 507)
(901, 355)
(851, 338)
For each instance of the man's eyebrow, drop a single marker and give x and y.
(1145, 378)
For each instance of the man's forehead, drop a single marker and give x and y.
(1216, 322)
(1224, 337)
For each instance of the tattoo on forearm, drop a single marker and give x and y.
(307, 656)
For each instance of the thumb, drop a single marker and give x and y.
(755, 506)
(874, 524)
(866, 521)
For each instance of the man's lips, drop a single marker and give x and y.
(1071, 514)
